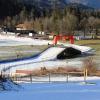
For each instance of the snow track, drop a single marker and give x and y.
(47, 59)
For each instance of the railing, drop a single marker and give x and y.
(52, 77)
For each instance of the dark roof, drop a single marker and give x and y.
(19, 31)
(25, 31)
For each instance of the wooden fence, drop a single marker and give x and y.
(51, 77)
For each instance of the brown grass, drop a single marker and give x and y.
(97, 73)
(59, 70)
(90, 65)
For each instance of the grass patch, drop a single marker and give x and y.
(12, 52)
(87, 42)
(95, 44)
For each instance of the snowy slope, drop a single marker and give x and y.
(51, 53)
(83, 49)
(47, 59)
(32, 63)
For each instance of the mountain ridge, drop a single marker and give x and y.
(48, 4)
(14, 7)
(91, 3)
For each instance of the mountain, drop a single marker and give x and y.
(90, 3)
(46, 3)
(63, 3)
(94, 3)
(9, 8)
(14, 7)
(80, 6)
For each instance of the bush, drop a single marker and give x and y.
(90, 65)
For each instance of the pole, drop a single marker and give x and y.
(49, 78)
(30, 78)
(85, 75)
(67, 77)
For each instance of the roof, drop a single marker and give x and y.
(25, 26)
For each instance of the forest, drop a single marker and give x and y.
(59, 20)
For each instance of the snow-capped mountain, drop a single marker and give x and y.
(63, 3)
(47, 3)
(90, 3)
(78, 1)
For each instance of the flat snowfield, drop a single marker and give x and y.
(55, 91)
(16, 41)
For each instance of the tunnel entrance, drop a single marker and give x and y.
(69, 53)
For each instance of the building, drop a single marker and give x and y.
(21, 27)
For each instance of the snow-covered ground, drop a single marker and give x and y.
(47, 59)
(8, 85)
(55, 91)
(48, 91)
(56, 78)
(6, 40)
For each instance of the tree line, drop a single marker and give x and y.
(56, 20)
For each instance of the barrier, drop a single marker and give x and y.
(58, 37)
(50, 77)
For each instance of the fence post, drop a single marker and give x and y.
(67, 77)
(15, 78)
(49, 78)
(85, 75)
(30, 78)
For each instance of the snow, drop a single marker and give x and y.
(56, 78)
(45, 59)
(8, 85)
(16, 41)
(47, 91)
(34, 66)
(54, 91)
(81, 48)
(51, 53)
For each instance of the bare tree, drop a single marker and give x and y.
(7, 21)
(69, 23)
(94, 24)
(23, 15)
(83, 25)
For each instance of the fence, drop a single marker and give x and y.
(53, 77)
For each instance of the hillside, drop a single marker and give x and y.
(91, 3)
(63, 3)
(9, 8)
(14, 7)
